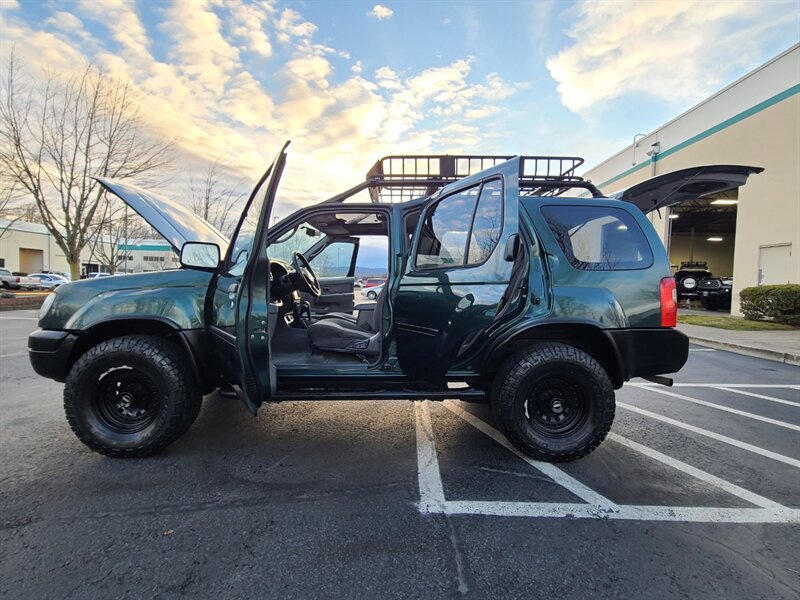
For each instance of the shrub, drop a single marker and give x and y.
(780, 303)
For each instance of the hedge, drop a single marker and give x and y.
(780, 303)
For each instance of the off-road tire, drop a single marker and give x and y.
(156, 370)
(553, 370)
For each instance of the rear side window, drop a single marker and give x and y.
(597, 238)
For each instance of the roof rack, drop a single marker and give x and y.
(399, 178)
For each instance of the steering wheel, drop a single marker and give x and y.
(307, 280)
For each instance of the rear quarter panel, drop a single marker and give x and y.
(612, 299)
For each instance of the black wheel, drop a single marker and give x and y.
(372, 295)
(554, 402)
(130, 396)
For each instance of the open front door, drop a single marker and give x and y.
(687, 184)
(240, 296)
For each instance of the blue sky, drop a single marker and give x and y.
(348, 82)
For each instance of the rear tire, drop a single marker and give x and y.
(130, 397)
(554, 402)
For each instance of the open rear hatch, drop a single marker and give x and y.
(687, 184)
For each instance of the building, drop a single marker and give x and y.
(30, 248)
(752, 234)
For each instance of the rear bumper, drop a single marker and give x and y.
(49, 352)
(646, 352)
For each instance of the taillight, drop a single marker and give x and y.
(17, 281)
(669, 302)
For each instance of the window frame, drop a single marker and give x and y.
(432, 207)
(644, 265)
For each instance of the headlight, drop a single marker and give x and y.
(48, 302)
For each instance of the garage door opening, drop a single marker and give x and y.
(31, 260)
(701, 249)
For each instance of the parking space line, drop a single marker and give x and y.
(762, 396)
(431, 491)
(734, 411)
(783, 386)
(13, 355)
(432, 495)
(19, 318)
(703, 476)
(714, 436)
(701, 350)
(557, 475)
(691, 514)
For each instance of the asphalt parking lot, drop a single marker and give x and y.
(695, 494)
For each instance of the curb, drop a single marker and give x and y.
(782, 357)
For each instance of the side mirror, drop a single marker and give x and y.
(512, 248)
(200, 255)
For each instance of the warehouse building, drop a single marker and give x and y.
(30, 248)
(752, 234)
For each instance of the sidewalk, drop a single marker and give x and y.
(781, 346)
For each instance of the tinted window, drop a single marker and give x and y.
(443, 239)
(597, 238)
(488, 223)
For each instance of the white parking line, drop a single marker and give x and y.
(701, 350)
(763, 397)
(783, 386)
(13, 355)
(19, 318)
(432, 498)
(679, 465)
(714, 436)
(553, 472)
(734, 411)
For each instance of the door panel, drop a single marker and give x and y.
(445, 303)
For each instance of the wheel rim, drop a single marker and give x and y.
(127, 401)
(556, 407)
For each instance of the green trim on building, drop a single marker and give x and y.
(709, 132)
(145, 247)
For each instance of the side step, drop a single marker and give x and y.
(466, 395)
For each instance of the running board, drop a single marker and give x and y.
(466, 395)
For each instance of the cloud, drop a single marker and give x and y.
(677, 51)
(381, 12)
(203, 84)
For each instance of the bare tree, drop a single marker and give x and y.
(215, 200)
(57, 136)
(10, 209)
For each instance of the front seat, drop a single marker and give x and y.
(335, 334)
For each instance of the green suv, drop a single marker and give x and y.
(509, 280)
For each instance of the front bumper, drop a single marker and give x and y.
(49, 352)
(645, 352)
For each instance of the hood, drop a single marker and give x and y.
(684, 185)
(177, 223)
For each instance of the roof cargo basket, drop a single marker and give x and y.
(399, 178)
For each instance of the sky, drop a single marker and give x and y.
(349, 82)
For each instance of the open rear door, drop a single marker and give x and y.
(687, 184)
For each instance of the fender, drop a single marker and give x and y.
(583, 333)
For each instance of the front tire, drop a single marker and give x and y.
(554, 402)
(372, 295)
(130, 397)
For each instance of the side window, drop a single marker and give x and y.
(334, 260)
(443, 239)
(488, 223)
(597, 238)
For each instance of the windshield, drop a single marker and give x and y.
(298, 239)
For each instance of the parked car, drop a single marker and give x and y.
(373, 282)
(97, 274)
(372, 293)
(10, 281)
(549, 305)
(49, 281)
(688, 276)
(715, 292)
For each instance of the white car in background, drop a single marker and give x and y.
(372, 292)
(49, 281)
